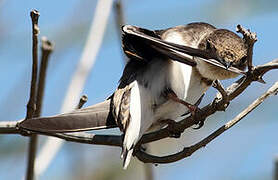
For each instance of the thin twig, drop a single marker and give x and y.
(250, 39)
(31, 106)
(9, 127)
(82, 101)
(46, 48)
(144, 157)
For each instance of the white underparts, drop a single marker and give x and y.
(133, 128)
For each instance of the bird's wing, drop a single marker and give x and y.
(139, 42)
(98, 116)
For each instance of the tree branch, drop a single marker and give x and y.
(250, 38)
(217, 105)
(31, 106)
(187, 151)
(46, 49)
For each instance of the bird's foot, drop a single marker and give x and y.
(200, 122)
(193, 109)
(172, 127)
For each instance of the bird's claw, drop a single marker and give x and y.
(174, 132)
(200, 122)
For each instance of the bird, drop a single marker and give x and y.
(167, 73)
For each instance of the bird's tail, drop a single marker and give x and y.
(98, 116)
(126, 156)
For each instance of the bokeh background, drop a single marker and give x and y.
(245, 152)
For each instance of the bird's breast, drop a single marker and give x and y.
(187, 83)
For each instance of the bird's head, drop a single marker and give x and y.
(229, 49)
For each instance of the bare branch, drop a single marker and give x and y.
(217, 105)
(46, 49)
(35, 32)
(9, 127)
(31, 106)
(144, 157)
(262, 69)
(250, 39)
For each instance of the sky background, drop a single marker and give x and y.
(245, 152)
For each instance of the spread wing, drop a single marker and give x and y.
(141, 44)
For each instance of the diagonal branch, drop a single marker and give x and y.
(217, 105)
(187, 151)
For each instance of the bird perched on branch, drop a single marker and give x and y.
(167, 73)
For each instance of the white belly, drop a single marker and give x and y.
(186, 83)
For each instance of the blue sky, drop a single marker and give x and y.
(247, 151)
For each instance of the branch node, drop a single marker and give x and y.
(47, 45)
(249, 36)
(82, 101)
(35, 18)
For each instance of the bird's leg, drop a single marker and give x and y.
(172, 95)
(192, 108)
